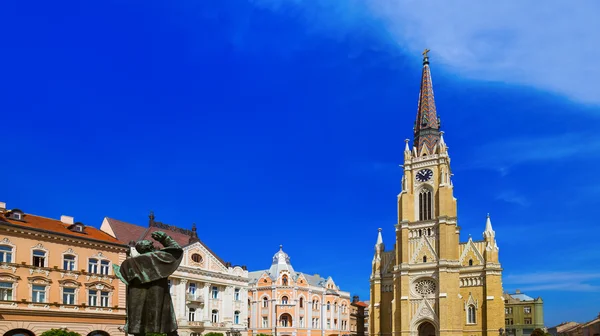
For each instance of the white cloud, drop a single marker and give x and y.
(550, 45)
(565, 281)
(510, 196)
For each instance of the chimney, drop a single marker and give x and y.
(2, 205)
(67, 219)
(518, 291)
(355, 299)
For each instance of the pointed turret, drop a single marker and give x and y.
(427, 124)
(379, 245)
(489, 232)
(379, 248)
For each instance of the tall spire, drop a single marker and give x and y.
(489, 232)
(427, 124)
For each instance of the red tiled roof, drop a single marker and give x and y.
(56, 226)
(127, 232)
(361, 304)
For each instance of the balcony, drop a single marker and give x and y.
(193, 324)
(194, 298)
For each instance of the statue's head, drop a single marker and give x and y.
(144, 246)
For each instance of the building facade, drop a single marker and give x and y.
(284, 302)
(209, 294)
(590, 328)
(357, 317)
(430, 283)
(58, 274)
(523, 314)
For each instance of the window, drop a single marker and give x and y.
(335, 325)
(196, 258)
(527, 309)
(104, 299)
(470, 262)
(528, 320)
(284, 280)
(328, 323)
(93, 265)
(285, 320)
(192, 288)
(39, 258)
(301, 302)
(6, 291)
(38, 293)
(328, 305)
(425, 206)
(424, 258)
(335, 307)
(265, 322)
(508, 321)
(215, 292)
(265, 302)
(17, 215)
(69, 262)
(69, 296)
(508, 310)
(104, 267)
(429, 231)
(301, 320)
(236, 294)
(215, 316)
(92, 297)
(471, 314)
(236, 317)
(5, 253)
(192, 314)
(284, 300)
(315, 322)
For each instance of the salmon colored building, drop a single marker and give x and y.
(284, 302)
(57, 274)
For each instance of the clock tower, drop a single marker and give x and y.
(430, 283)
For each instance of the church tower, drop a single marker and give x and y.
(431, 283)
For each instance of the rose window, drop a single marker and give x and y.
(425, 287)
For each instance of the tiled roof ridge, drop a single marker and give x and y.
(169, 227)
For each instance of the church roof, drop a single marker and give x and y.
(427, 124)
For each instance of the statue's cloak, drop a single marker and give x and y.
(149, 305)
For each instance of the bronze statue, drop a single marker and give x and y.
(149, 305)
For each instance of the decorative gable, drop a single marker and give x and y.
(471, 253)
(424, 311)
(198, 256)
(424, 249)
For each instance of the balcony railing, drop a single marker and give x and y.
(191, 297)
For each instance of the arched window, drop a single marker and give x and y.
(471, 315)
(328, 305)
(425, 204)
(236, 317)
(215, 316)
(265, 302)
(192, 314)
(429, 231)
(301, 302)
(284, 280)
(470, 262)
(424, 258)
(6, 253)
(335, 307)
(420, 233)
(285, 320)
(284, 300)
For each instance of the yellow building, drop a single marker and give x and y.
(430, 283)
(57, 274)
(523, 313)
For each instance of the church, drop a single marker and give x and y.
(430, 283)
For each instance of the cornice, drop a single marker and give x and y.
(211, 274)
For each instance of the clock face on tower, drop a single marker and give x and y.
(424, 175)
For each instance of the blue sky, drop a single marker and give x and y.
(272, 122)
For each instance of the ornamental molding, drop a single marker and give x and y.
(9, 277)
(471, 301)
(70, 251)
(98, 278)
(8, 304)
(8, 267)
(39, 246)
(98, 255)
(99, 286)
(38, 306)
(7, 241)
(38, 280)
(39, 271)
(425, 311)
(69, 274)
(69, 283)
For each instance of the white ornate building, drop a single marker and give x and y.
(209, 295)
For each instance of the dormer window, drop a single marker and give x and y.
(16, 214)
(77, 227)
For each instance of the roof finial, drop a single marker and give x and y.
(425, 56)
(280, 247)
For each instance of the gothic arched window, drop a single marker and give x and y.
(424, 258)
(470, 262)
(471, 314)
(284, 300)
(425, 204)
(284, 280)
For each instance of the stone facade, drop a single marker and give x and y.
(430, 283)
(58, 274)
(357, 316)
(284, 302)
